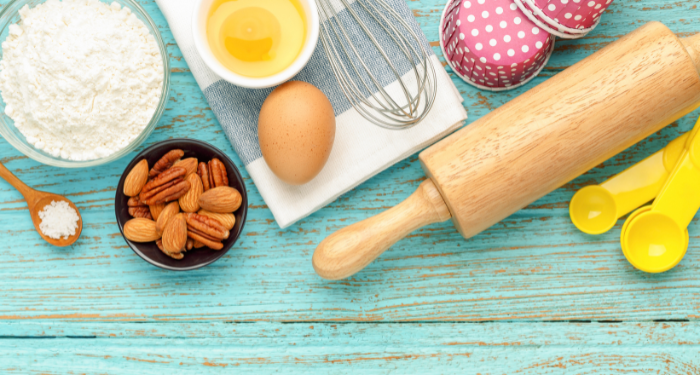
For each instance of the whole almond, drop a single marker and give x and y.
(227, 220)
(159, 243)
(169, 212)
(136, 179)
(190, 164)
(190, 201)
(141, 230)
(222, 199)
(175, 235)
(156, 210)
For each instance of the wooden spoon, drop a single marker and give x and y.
(36, 201)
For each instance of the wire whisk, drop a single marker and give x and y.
(371, 46)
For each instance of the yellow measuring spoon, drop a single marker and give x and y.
(596, 208)
(655, 238)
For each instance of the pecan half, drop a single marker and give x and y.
(218, 173)
(203, 238)
(190, 244)
(166, 162)
(203, 172)
(211, 227)
(166, 187)
(198, 245)
(138, 209)
(211, 176)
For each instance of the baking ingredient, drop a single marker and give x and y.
(136, 179)
(176, 185)
(227, 220)
(206, 230)
(296, 130)
(169, 212)
(205, 224)
(190, 164)
(217, 173)
(141, 230)
(156, 210)
(58, 220)
(80, 78)
(256, 38)
(166, 187)
(165, 162)
(222, 199)
(190, 201)
(203, 172)
(175, 235)
(138, 208)
(213, 174)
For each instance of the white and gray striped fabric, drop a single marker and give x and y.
(361, 149)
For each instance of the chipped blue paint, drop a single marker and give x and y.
(107, 311)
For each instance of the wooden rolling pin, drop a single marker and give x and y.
(534, 144)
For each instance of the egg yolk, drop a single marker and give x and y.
(256, 38)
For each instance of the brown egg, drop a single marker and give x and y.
(296, 130)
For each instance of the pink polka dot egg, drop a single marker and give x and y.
(565, 18)
(492, 45)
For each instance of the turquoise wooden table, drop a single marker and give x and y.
(530, 295)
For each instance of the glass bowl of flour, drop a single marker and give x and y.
(82, 82)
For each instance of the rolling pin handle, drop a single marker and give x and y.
(352, 248)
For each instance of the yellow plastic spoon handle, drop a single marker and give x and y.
(679, 199)
(596, 208)
(643, 181)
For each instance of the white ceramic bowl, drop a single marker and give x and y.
(199, 31)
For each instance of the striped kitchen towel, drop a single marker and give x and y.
(361, 149)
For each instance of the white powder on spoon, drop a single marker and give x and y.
(58, 219)
(80, 78)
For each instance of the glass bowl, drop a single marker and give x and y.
(9, 16)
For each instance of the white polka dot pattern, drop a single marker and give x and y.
(493, 57)
(573, 19)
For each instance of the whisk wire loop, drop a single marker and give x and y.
(390, 46)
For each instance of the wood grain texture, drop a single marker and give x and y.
(500, 348)
(349, 250)
(534, 265)
(525, 271)
(562, 128)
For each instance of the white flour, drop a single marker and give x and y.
(80, 78)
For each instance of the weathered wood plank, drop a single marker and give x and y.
(498, 348)
(534, 266)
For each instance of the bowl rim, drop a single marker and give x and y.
(313, 24)
(226, 160)
(30, 151)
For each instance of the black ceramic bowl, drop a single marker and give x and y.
(196, 258)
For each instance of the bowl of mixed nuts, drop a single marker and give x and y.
(181, 204)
